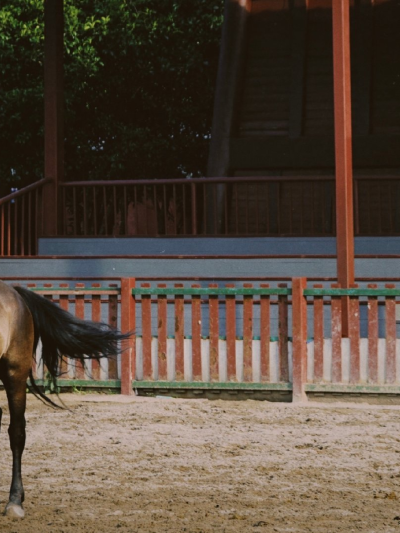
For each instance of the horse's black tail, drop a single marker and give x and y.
(63, 335)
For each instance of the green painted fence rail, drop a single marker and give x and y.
(351, 292)
(208, 291)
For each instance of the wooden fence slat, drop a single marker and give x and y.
(247, 334)
(230, 312)
(64, 304)
(146, 333)
(213, 303)
(354, 335)
(265, 334)
(79, 313)
(196, 335)
(372, 336)
(162, 334)
(390, 333)
(336, 333)
(113, 322)
(283, 335)
(128, 325)
(96, 317)
(179, 334)
(318, 335)
(299, 308)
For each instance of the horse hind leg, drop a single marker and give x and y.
(15, 386)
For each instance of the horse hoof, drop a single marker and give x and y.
(14, 511)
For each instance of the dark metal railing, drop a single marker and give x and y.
(240, 206)
(21, 220)
(300, 205)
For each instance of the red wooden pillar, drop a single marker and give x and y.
(343, 150)
(53, 112)
(128, 324)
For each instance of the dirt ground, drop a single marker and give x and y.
(164, 465)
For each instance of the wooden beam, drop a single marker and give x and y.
(229, 69)
(343, 151)
(225, 101)
(53, 120)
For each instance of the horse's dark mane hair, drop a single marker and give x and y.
(64, 335)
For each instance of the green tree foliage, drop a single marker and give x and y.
(139, 87)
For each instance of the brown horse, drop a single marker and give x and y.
(24, 318)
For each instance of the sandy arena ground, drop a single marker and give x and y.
(162, 465)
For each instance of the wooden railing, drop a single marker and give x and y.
(21, 220)
(245, 206)
(370, 355)
(254, 337)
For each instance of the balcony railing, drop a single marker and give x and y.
(21, 220)
(210, 207)
(200, 207)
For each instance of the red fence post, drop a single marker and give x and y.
(336, 332)
(283, 334)
(128, 324)
(96, 317)
(80, 313)
(113, 322)
(230, 311)
(390, 334)
(248, 334)
(354, 336)
(265, 334)
(299, 318)
(213, 305)
(179, 334)
(372, 336)
(162, 334)
(64, 304)
(318, 335)
(148, 370)
(196, 335)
